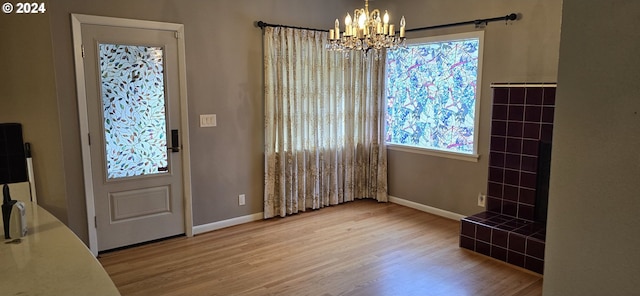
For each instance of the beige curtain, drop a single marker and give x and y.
(324, 113)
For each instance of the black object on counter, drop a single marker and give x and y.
(7, 205)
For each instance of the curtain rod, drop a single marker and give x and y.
(262, 25)
(478, 22)
(509, 17)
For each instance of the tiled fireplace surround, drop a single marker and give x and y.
(508, 231)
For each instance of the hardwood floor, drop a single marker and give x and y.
(358, 248)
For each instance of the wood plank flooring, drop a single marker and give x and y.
(358, 248)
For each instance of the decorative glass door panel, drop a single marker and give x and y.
(133, 110)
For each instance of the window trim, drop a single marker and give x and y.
(433, 152)
(474, 156)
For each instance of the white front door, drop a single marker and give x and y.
(133, 106)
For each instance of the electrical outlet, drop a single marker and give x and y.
(482, 200)
(241, 199)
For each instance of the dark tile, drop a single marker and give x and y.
(498, 253)
(527, 229)
(542, 227)
(516, 259)
(468, 228)
(531, 131)
(517, 243)
(509, 208)
(514, 145)
(510, 193)
(516, 95)
(499, 112)
(499, 237)
(483, 248)
(547, 114)
(471, 219)
(511, 177)
(475, 219)
(533, 96)
(498, 128)
(498, 143)
(546, 133)
(535, 248)
(494, 189)
(541, 235)
(500, 219)
(496, 174)
(500, 95)
(549, 95)
(526, 212)
(483, 233)
(514, 224)
(532, 113)
(508, 226)
(514, 129)
(512, 161)
(527, 196)
(492, 223)
(494, 204)
(516, 113)
(529, 164)
(467, 243)
(496, 159)
(534, 265)
(528, 180)
(530, 147)
(484, 215)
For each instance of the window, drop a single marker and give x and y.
(432, 93)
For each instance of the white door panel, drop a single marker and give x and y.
(133, 105)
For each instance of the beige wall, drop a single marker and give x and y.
(593, 212)
(522, 51)
(27, 96)
(594, 198)
(224, 77)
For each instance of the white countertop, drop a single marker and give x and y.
(50, 260)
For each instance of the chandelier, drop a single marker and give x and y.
(367, 30)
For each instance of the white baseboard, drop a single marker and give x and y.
(199, 229)
(425, 208)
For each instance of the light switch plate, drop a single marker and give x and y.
(208, 120)
(241, 200)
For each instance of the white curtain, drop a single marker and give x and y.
(324, 124)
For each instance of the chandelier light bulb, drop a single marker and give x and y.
(362, 20)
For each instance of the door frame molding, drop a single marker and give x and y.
(77, 20)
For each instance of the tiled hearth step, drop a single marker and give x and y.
(515, 241)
